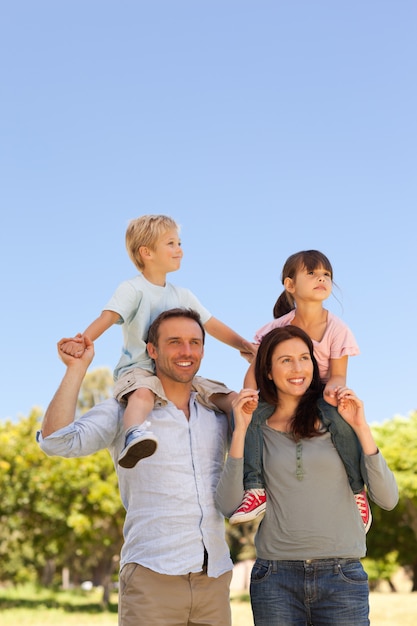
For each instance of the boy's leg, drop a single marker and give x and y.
(140, 441)
(213, 394)
(138, 390)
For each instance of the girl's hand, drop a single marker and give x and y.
(329, 394)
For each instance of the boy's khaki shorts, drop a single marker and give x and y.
(137, 378)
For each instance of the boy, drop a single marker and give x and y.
(154, 247)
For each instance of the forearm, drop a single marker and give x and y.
(382, 486)
(223, 333)
(366, 439)
(244, 404)
(61, 410)
(335, 381)
(101, 324)
(230, 491)
(237, 445)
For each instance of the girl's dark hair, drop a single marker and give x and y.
(308, 259)
(305, 418)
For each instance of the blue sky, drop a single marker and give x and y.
(263, 128)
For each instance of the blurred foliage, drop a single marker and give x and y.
(57, 513)
(395, 532)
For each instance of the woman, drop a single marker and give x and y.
(311, 540)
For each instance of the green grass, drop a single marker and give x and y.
(32, 606)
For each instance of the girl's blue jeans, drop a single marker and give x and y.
(322, 592)
(343, 437)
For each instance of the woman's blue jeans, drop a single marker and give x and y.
(319, 592)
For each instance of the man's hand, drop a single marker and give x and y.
(84, 353)
(73, 346)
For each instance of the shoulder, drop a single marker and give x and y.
(186, 298)
(136, 283)
(284, 320)
(341, 336)
(335, 322)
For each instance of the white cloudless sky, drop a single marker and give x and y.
(263, 128)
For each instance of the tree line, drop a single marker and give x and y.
(66, 514)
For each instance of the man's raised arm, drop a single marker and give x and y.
(62, 408)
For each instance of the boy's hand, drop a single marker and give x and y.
(73, 347)
(85, 357)
(249, 351)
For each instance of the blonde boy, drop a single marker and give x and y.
(154, 247)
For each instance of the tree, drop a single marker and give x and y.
(56, 512)
(396, 531)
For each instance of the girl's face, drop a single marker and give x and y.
(291, 367)
(310, 285)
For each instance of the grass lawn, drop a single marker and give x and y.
(30, 607)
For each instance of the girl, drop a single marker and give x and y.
(307, 277)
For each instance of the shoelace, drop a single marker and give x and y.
(249, 497)
(361, 502)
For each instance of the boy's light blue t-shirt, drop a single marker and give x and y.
(139, 302)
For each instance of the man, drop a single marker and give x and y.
(175, 564)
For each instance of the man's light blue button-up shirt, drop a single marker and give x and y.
(169, 497)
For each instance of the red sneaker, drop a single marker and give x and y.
(253, 504)
(364, 509)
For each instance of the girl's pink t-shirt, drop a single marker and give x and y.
(337, 341)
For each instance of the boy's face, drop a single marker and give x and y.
(168, 253)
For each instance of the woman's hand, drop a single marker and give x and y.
(244, 404)
(351, 408)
